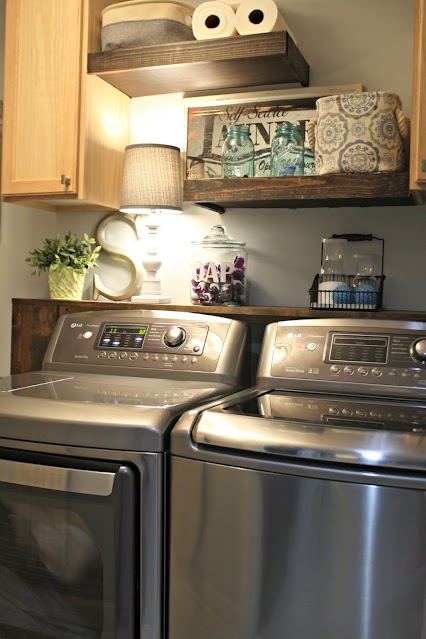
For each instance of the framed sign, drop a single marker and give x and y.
(208, 119)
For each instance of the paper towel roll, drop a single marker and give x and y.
(260, 16)
(213, 20)
(234, 4)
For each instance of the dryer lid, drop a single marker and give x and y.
(99, 411)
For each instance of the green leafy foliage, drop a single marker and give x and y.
(69, 253)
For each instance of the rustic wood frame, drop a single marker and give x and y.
(219, 110)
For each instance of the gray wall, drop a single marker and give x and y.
(343, 42)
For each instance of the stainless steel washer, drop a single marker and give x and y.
(84, 468)
(298, 506)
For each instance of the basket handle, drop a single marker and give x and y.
(310, 130)
(403, 123)
(355, 237)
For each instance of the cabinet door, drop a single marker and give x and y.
(418, 107)
(43, 50)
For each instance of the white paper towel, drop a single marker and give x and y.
(233, 3)
(260, 16)
(213, 20)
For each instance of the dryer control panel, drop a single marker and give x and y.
(125, 342)
(371, 356)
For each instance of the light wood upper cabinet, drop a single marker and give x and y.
(418, 106)
(64, 132)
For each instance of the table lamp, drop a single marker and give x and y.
(152, 186)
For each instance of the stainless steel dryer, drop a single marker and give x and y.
(298, 506)
(83, 468)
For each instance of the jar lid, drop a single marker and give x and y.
(219, 237)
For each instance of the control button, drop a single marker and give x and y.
(363, 371)
(418, 350)
(333, 410)
(101, 355)
(348, 370)
(112, 355)
(392, 373)
(146, 356)
(165, 358)
(376, 372)
(122, 355)
(312, 346)
(334, 369)
(360, 413)
(196, 349)
(174, 336)
(405, 374)
(346, 412)
(174, 358)
(374, 413)
(155, 358)
(87, 334)
(194, 360)
(133, 356)
(184, 359)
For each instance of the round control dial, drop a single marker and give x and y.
(418, 350)
(174, 336)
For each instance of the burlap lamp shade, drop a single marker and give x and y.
(152, 179)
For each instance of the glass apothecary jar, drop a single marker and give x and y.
(218, 270)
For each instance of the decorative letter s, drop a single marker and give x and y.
(129, 254)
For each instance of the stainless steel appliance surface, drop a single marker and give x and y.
(84, 468)
(298, 506)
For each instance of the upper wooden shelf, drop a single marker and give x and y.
(346, 189)
(200, 65)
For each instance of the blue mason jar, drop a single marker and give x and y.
(287, 151)
(238, 152)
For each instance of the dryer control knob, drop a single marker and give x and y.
(418, 350)
(174, 336)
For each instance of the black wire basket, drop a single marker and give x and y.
(341, 292)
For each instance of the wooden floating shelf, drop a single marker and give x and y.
(200, 65)
(33, 320)
(368, 189)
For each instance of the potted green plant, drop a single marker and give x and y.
(66, 261)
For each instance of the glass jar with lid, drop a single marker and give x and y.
(218, 270)
(238, 152)
(287, 151)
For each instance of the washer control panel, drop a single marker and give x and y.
(373, 355)
(127, 342)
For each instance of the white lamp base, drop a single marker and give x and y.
(151, 299)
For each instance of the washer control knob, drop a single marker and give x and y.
(418, 350)
(174, 336)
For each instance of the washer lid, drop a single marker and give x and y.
(321, 428)
(99, 411)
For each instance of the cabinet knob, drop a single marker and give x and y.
(65, 180)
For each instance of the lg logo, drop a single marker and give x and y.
(75, 325)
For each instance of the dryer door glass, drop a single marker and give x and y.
(67, 539)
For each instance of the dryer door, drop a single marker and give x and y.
(67, 548)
